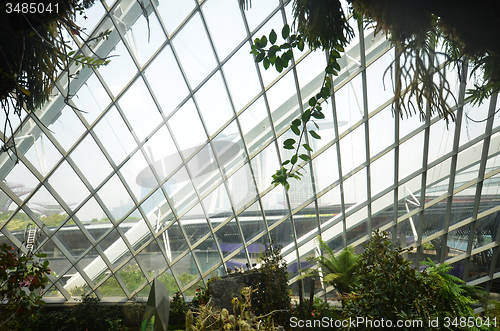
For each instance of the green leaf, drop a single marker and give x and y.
(273, 50)
(334, 54)
(301, 45)
(314, 134)
(266, 63)
(318, 115)
(306, 116)
(288, 147)
(294, 159)
(272, 37)
(71, 53)
(286, 185)
(305, 157)
(263, 42)
(307, 147)
(285, 32)
(278, 64)
(289, 141)
(295, 130)
(296, 122)
(312, 101)
(260, 57)
(286, 162)
(325, 92)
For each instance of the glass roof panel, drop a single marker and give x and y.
(115, 198)
(140, 109)
(167, 81)
(91, 99)
(174, 12)
(90, 160)
(188, 137)
(115, 136)
(241, 77)
(68, 185)
(227, 31)
(120, 70)
(194, 50)
(212, 95)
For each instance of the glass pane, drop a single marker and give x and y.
(194, 224)
(306, 221)
(42, 154)
(144, 36)
(255, 126)
(169, 92)
(227, 30)
(135, 171)
(381, 131)
(283, 102)
(382, 173)
(264, 165)
(187, 140)
(242, 188)
(217, 206)
(173, 12)
(115, 136)
(91, 99)
(68, 185)
(48, 209)
(208, 256)
(241, 77)
(194, 51)
(229, 148)
(91, 162)
(352, 149)
(67, 128)
(132, 276)
(212, 95)
(410, 155)
(140, 109)
(181, 191)
(163, 156)
(185, 269)
(115, 198)
(120, 70)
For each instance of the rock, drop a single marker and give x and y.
(223, 290)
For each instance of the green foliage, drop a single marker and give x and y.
(23, 278)
(201, 297)
(338, 271)
(33, 50)
(320, 310)
(272, 293)
(178, 310)
(280, 56)
(322, 23)
(89, 314)
(388, 287)
(455, 297)
(206, 319)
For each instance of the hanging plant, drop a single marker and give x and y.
(32, 51)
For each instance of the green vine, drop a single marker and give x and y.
(280, 56)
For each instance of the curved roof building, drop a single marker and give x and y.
(160, 163)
